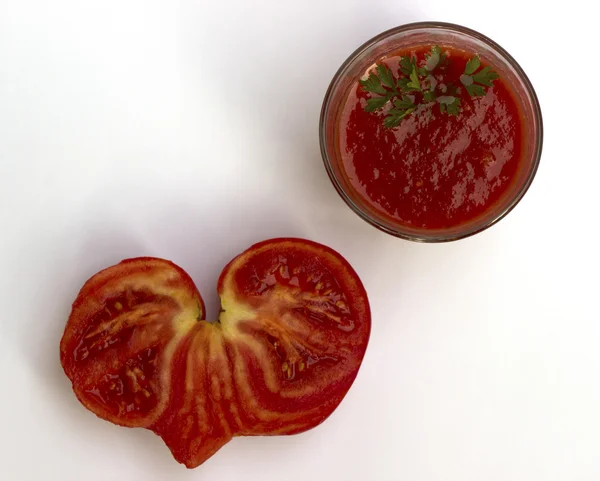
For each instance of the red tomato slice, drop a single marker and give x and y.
(286, 348)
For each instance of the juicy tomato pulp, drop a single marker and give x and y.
(289, 341)
(433, 171)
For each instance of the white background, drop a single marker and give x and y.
(188, 130)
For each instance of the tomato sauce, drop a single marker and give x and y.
(433, 171)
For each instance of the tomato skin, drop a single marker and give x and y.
(286, 348)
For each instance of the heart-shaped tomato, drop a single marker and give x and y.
(290, 338)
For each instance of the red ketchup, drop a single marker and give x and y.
(434, 170)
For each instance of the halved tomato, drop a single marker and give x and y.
(288, 343)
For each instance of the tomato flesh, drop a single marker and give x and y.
(131, 388)
(286, 348)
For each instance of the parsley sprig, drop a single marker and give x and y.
(476, 81)
(417, 86)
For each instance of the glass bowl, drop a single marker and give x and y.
(415, 35)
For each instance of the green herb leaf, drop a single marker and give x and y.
(372, 84)
(415, 86)
(473, 80)
(437, 50)
(433, 59)
(485, 76)
(449, 104)
(405, 103)
(429, 96)
(475, 90)
(472, 65)
(414, 79)
(395, 116)
(402, 83)
(454, 107)
(466, 80)
(385, 75)
(443, 58)
(375, 103)
(406, 65)
(431, 82)
(390, 122)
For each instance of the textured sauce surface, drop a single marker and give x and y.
(433, 171)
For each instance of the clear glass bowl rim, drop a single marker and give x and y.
(398, 232)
